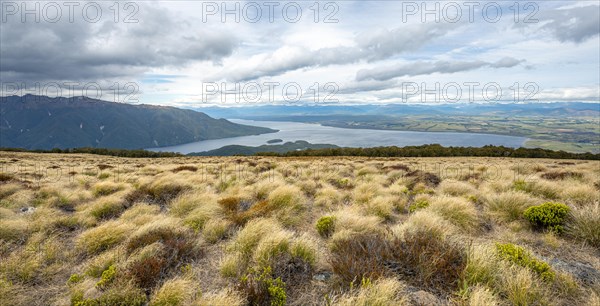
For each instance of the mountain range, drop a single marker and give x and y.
(40, 122)
(305, 112)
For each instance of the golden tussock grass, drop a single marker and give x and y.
(379, 293)
(508, 206)
(307, 231)
(457, 211)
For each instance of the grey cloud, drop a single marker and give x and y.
(83, 51)
(370, 46)
(423, 68)
(382, 43)
(576, 24)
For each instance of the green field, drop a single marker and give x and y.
(576, 134)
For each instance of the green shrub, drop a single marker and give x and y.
(107, 277)
(262, 289)
(342, 183)
(277, 292)
(418, 205)
(548, 215)
(521, 185)
(521, 257)
(326, 226)
(74, 278)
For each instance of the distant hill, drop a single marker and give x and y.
(279, 149)
(39, 122)
(311, 112)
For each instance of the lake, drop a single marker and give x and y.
(316, 133)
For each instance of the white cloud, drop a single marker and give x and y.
(365, 53)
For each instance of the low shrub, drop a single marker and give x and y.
(107, 277)
(561, 175)
(100, 263)
(74, 279)
(6, 177)
(262, 288)
(548, 216)
(158, 192)
(422, 257)
(157, 249)
(264, 244)
(523, 258)
(104, 167)
(428, 260)
(426, 178)
(325, 226)
(418, 204)
(185, 168)
(341, 183)
(359, 256)
(148, 265)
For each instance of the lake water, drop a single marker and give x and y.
(316, 133)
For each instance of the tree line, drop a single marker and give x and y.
(436, 150)
(433, 150)
(101, 151)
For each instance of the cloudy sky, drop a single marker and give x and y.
(186, 53)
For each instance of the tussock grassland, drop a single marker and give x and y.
(99, 230)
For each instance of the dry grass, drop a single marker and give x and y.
(180, 231)
(585, 224)
(380, 293)
(457, 211)
(508, 206)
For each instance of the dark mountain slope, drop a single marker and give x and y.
(38, 122)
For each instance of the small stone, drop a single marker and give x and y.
(322, 276)
(422, 298)
(27, 210)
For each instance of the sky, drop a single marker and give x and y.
(232, 53)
